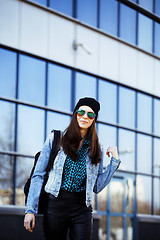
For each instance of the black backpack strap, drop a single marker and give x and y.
(54, 150)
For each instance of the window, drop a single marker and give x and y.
(57, 121)
(87, 11)
(156, 165)
(144, 153)
(7, 123)
(108, 100)
(8, 73)
(126, 107)
(145, 33)
(109, 16)
(156, 117)
(157, 7)
(157, 39)
(43, 2)
(85, 86)
(107, 136)
(59, 87)
(30, 130)
(63, 6)
(32, 80)
(146, 4)
(128, 24)
(127, 149)
(143, 194)
(144, 113)
(157, 196)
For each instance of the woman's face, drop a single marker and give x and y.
(84, 121)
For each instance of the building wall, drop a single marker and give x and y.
(47, 34)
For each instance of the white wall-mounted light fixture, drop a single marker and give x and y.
(85, 48)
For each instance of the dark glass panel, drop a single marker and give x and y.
(63, 6)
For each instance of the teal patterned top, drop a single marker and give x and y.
(74, 172)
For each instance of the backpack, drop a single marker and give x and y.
(53, 154)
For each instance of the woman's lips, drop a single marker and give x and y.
(84, 122)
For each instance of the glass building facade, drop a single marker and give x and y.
(37, 95)
(141, 28)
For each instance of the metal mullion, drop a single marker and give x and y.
(46, 101)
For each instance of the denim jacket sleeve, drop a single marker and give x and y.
(38, 177)
(104, 177)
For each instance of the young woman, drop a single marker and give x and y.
(77, 173)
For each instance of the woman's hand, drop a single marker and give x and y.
(29, 222)
(113, 151)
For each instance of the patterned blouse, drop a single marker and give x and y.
(74, 172)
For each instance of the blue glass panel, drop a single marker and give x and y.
(7, 121)
(157, 7)
(128, 24)
(85, 86)
(107, 136)
(108, 100)
(127, 149)
(63, 6)
(7, 73)
(87, 11)
(156, 196)
(156, 117)
(59, 87)
(30, 130)
(156, 157)
(32, 80)
(144, 153)
(109, 16)
(43, 2)
(157, 39)
(126, 107)
(144, 194)
(57, 121)
(145, 33)
(144, 112)
(147, 4)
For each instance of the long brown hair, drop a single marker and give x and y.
(72, 137)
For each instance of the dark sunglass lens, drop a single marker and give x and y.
(81, 112)
(91, 115)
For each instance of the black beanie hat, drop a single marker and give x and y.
(90, 102)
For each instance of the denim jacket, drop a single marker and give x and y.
(96, 178)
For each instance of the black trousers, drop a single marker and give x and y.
(66, 212)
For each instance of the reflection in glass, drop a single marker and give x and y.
(102, 233)
(144, 153)
(59, 87)
(57, 121)
(146, 4)
(127, 149)
(107, 136)
(63, 6)
(156, 156)
(143, 194)
(32, 79)
(145, 33)
(128, 24)
(126, 107)
(30, 130)
(7, 73)
(24, 167)
(157, 39)
(157, 7)
(87, 11)
(156, 117)
(144, 113)
(157, 196)
(102, 200)
(116, 228)
(85, 86)
(6, 179)
(116, 196)
(108, 100)
(130, 195)
(129, 229)
(109, 16)
(7, 120)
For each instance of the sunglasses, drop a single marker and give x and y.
(81, 112)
